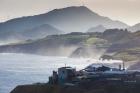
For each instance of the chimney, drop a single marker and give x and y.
(123, 65)
(120, 67)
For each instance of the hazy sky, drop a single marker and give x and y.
(127, 11)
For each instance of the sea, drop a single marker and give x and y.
(20, 69)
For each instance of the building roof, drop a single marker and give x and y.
(67, 68)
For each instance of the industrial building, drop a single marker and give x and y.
(92, 73)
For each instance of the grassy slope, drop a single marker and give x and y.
(117, 42)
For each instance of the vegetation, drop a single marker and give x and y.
(95, 41)
(128, 54)
(113, 43)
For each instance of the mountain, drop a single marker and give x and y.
(40, 32)
(134, 28)
(98, 28)
(70, 19)
(37, 32)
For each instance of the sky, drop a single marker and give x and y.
(127, 11)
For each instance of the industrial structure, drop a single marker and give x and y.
(92, 73)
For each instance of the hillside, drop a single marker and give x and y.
(65, 19)
(10, 35)
(134, 28)
(113, 42)
(127, 47)
(40, 32)
(55, 45)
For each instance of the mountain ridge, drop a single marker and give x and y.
(69, 19)
(98, 28)
(134, 28)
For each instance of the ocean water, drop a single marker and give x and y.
(20, 69)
